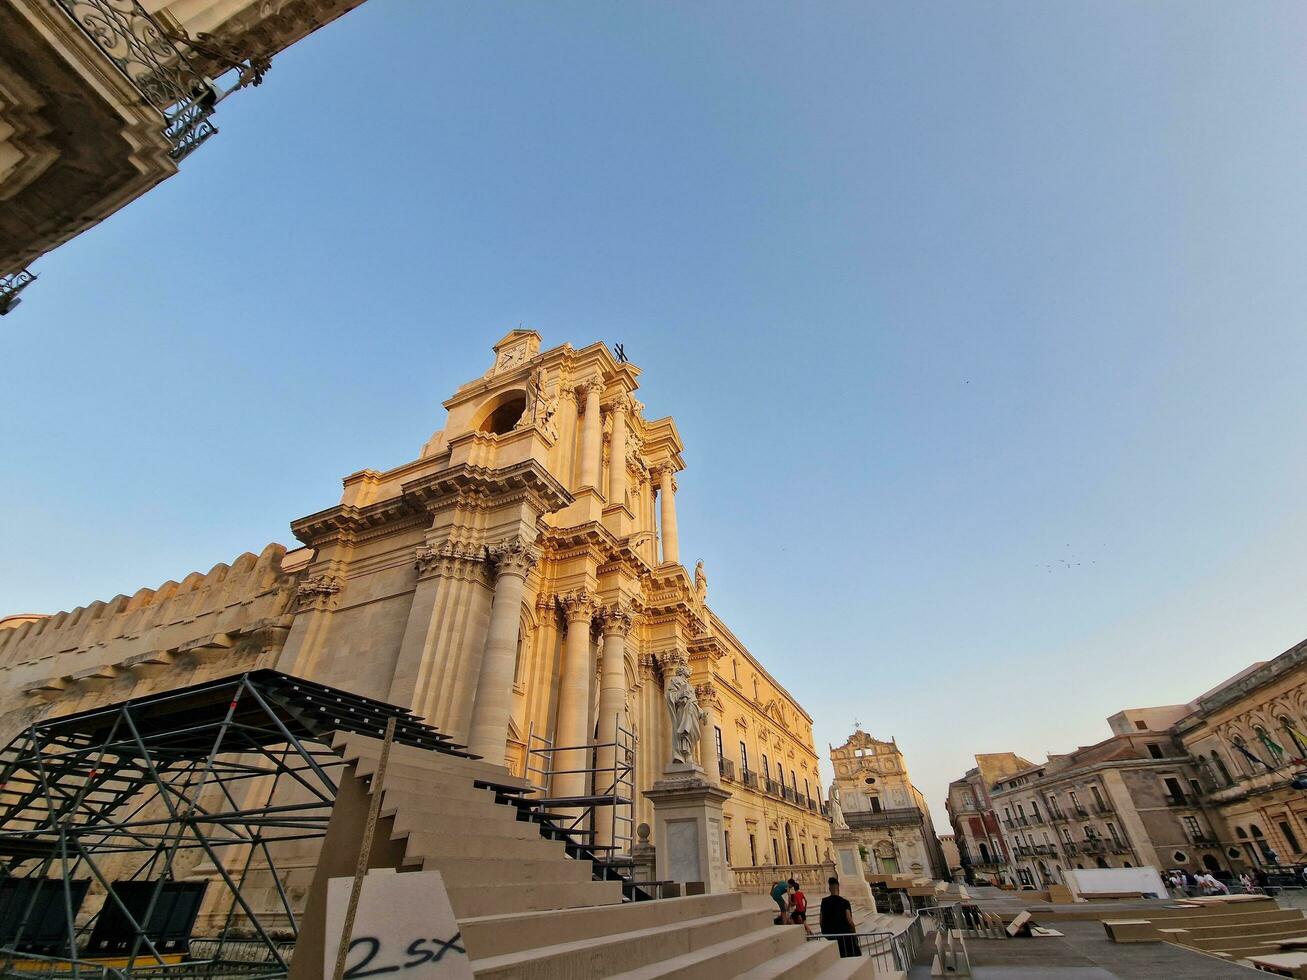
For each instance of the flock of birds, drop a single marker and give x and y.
(1059, 564)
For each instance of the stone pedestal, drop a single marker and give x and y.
(849, 869)
(688, 829)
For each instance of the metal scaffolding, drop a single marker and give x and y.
(113, 807)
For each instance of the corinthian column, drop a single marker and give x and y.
(489, 732)
(591, 436)
(667, 504)
(617, 453)
(617, 621)
(573, 724)
(712, 707)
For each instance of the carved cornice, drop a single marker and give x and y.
(578, 606)
(481, 484)
(513, 557)
(318, 592)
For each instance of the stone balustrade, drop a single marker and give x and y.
(759, 880)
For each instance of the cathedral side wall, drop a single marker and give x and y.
(232, 619)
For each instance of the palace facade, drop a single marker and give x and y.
(887, 814)
(519, 584)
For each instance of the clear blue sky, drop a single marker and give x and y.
(939, 294)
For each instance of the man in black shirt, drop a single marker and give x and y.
(837, 919)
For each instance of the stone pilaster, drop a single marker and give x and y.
(450, 596)
(488, 734)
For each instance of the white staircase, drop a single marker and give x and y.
(529, 912)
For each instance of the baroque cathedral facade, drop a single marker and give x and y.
(519, 582)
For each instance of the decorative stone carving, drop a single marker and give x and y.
(650, 668)
(687, 718)
(700, 583)
(708, 696)
(541, 408)
(446, 558)
(578, 605)
(618, 618)
(513, 557)
(317, 592)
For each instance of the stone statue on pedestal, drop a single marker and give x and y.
(687, 718)
(836, 811)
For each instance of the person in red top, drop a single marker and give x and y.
(798, 905)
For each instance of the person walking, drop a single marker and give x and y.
(1190, 883)
(837, 919)
(780, 895)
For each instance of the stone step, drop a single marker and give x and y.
(496, 935)
(351, 747)
(396, 801)
(443, 785)
(434, 771)
(435, 793)
(801, 963)
(606, 955)
(729, 958)
(468, 872)
(420, 843)
(487, 825)
(858, 968)
(480, 900)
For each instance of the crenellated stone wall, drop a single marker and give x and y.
(232, 618)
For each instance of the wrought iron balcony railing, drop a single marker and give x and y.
(138, 46)
(727, 769)
(866, 819)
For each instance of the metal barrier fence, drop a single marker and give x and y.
(890, 952)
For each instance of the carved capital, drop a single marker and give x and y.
(578, 606)
(585, 387)
(708, 696)
(446, 558)
(650, 669)
(618, 618)
(621, 405)
(513, 557)
(317, 592)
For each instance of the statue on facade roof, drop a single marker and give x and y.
(700, 582)
(687, 717)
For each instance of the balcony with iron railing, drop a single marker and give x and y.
(1080, 811)
(1071, 848)
(1093, 845)
(727, 769)
(773, 788)
(749, 778)
(1104, 808)
(1177, 800)
(1057, 816)
(871, 819)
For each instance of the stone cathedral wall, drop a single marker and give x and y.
(231, 619)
